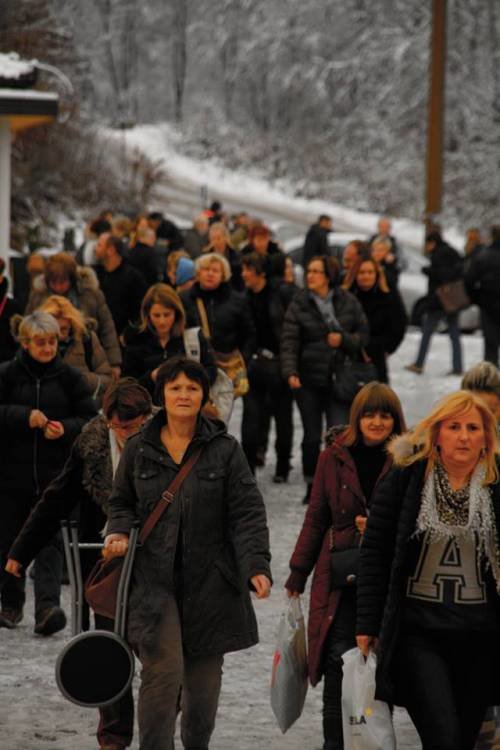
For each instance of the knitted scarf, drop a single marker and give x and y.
(479, 521)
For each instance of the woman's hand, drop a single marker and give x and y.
(37, 419)
(360, 522)
(262, 586)
(292, 594)
(294, 382)
(53, 430)
(334, 340)
(115, 545)
(366, 642)
(13, 567)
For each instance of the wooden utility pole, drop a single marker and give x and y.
(435, 125)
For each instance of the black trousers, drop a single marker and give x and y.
(446, 679)
(268, 398)
(340, 640)
(491, 336)
(314, 404)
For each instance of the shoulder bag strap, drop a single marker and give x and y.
(168, 496)
(203, 317)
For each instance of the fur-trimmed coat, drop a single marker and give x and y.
(381, 575)
(336, 499)
(85, 481)
(89, 299)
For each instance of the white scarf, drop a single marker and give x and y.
(481, 522)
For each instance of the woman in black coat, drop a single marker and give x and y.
(44, 404)
(322, 325)
(190, 591)
(160, 336)
(228, 314)
(429, 574)
(384, 311)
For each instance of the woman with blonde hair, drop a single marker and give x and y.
(348, 472)
(219, 241)
(429, 574)
(79, 345)
(159, 336)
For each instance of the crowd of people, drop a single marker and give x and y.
(121, 371)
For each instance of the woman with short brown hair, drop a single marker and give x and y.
(348, 472)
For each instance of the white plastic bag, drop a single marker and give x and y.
(367, 723)
(289, 675)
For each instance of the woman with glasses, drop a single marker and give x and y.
(85, 483)
(44, 403)
(323, 323)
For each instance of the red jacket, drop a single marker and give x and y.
(336, 499)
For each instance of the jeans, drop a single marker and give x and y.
(431, 320)
(313, 403)
(264, 400)
(491, 336)
(446, 679)
(340, 640)
(165, 670)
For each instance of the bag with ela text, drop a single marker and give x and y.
(367, 723)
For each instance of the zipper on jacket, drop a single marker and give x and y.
(35, 443)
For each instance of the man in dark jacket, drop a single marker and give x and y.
(316, 241)
(122, 285)
(8, 308)
(167, 232)
(446, 265)
(269, 393)
(44, 404)
(483, 282)
(272, 257)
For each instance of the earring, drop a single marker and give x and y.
(482, 452)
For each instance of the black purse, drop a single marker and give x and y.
(350, 376)
(343, 565)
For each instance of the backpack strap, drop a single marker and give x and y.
(202, 312)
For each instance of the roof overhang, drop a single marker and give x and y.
(25, 108)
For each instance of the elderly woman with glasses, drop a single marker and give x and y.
(85, 484)
(44, 403)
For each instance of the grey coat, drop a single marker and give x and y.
(205, 548)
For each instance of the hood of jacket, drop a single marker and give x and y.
(86, 280)
(401, 448)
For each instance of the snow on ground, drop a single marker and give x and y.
(34, 716)
(253, 191)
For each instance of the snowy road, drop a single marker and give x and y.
(34, 716)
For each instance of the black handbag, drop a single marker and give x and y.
(453, 296)
(350, 376)
(343, 567)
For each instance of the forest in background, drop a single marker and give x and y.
(328, 94)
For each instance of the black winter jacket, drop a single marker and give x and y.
(216, 526)
(315, 243)
(229, 318)
(387, 319)
(304, 348)
(143, 353)
(9, 307)
(84, 482)
(29, 460)
(381, 576)
(483, 279)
